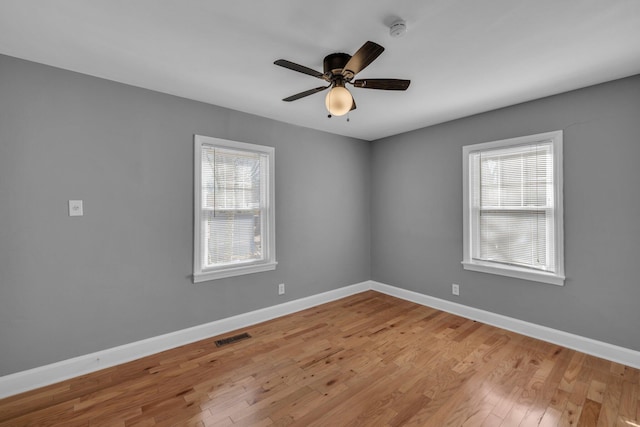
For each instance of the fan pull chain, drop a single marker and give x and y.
(348, 118)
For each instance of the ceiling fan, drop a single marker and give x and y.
(340, 69)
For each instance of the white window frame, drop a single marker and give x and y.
(201, 274)
(470, 222)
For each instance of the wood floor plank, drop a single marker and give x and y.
(611, 401)
(365, 360)
(629, 400)
(590, 413)
(492, 420)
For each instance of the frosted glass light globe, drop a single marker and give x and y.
(339, 101)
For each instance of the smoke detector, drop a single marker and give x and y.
(398, 28)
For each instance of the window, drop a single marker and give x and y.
(234, 224)
(513, 208)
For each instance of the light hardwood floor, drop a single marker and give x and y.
(366, 360)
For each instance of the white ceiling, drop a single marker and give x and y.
(462, 56)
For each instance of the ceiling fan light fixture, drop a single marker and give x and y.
(339, 101)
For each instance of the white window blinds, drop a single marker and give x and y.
(514, 202)
(233, 205)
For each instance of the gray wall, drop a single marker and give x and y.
(417, 213)
(72, 286)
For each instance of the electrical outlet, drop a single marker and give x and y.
(455, 289)
(75, 208)
(281, 289)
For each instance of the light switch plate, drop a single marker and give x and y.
(75, 208)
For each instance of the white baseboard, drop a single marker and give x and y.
(600, 349)
(50, 374)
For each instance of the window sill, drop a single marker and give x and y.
(519, 273)
(233, 271)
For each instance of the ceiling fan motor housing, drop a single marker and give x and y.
(334, 63)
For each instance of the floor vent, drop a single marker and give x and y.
(225, 341)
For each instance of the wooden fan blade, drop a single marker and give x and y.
(363, 57)
(384, 84)
(299, 68)
(306, 93)
(353, 106)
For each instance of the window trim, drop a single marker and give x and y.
(269, 262)
(554, 278)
